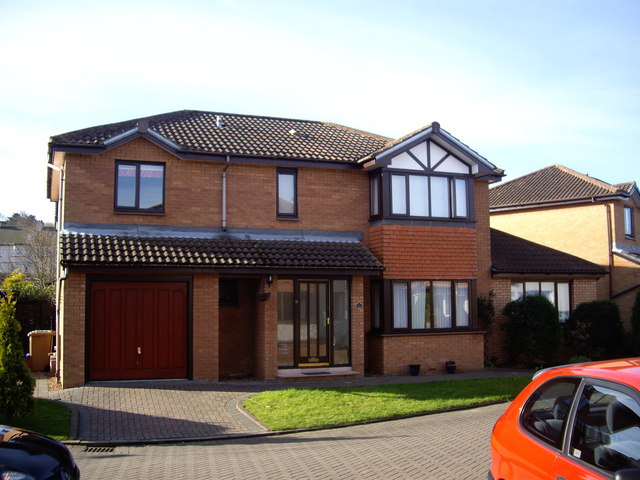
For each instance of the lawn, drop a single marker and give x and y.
(49, 417)
(296, 408)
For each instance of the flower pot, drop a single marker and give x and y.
(414, 370)
(451, 368)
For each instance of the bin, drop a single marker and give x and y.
(40, 345)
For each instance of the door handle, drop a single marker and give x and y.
(139, 350)
(328, 320)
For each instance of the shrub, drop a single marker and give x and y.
(16, 383)
(635, 325)
(533, 331)
(595, 330)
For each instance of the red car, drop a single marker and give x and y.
(575, 422)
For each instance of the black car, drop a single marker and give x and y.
(27, 455)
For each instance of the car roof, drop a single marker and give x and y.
(624, 370)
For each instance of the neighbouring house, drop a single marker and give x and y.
(521, 268)
(13, 249)
(579, 215)
(209, 246)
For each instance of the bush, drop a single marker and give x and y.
(25, 291)
(635, 325)
(595, 330)
(16, 382)
(533, 331)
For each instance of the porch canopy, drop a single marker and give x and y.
(218, 254)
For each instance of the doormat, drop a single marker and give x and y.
(316, 373)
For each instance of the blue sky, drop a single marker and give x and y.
(526, 84)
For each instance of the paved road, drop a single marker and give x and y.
(451, 445)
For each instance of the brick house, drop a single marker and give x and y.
(520, 268)
(210, 246)
(579, 215)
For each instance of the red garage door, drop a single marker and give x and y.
(138, 330)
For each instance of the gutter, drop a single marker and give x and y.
(224, 194)
(60, 277)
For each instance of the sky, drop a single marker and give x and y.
(527, 84)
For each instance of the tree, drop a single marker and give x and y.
(16, 383)
(39, 261)
(595, 330)
(41, 255)
(533, 331)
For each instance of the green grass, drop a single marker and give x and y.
(307, 408)
(49, 417)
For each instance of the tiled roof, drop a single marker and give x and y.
(12, 236)
(511, 254)
(550, 185)
(242, 135)
(82, 250)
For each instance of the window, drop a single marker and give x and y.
(606, 432)
(374, 192)
(287, 193)
(628, 222)
(546, 412)
(428, 196)
(556, 292)
(423, 305)
(139, 187)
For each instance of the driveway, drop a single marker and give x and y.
(452, 445)
(118, 413)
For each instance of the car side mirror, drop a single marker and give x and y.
(627, 474)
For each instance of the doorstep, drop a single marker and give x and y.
(317, 374)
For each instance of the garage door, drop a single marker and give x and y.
(137, 330)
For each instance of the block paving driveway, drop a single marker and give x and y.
(190, 429)
(452, 445)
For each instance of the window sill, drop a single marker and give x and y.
(288, 219)
(141, 212)
(424, 334)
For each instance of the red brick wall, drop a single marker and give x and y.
(205, 328)
(409, 251)
(71, 352)
(357, 324)
(392, 355)
(328, 199)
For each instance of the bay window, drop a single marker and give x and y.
(423, 305)
(424, 196)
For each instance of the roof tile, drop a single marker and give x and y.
(552, 184)
(511, 254)
(83, 250)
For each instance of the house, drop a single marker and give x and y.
(579, 215)
(208, 246)
(13, 249)
(520, 268)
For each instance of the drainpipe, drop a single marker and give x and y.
(224, 194)
(610, 246)
(59, 276)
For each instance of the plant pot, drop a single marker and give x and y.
(451, 368)
(414, 370)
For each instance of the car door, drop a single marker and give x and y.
(543, 423)
(604, 435)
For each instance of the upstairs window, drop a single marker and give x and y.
(139, 187)
(429, 196)
(628, 222)
(287, 202)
